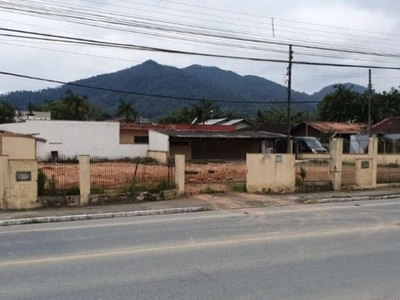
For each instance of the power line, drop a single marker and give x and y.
(329, 48)
(67, 39)
(146, 94)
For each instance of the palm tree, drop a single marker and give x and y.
(126, 109)
(76, 104)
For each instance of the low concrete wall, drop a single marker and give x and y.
(270, 173)
(160, 156)
(383, 159)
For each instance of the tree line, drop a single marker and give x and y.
(72, 106)
(342, 105)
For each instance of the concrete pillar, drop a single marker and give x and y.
(373, 154)
(364, 173)
(335, 163)
(84, 178)
(180, 174)
(4, 181)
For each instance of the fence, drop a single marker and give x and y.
(215, 176)
(348, 173)
(388, 173)
(58, 179)
(313, 175)
(128, 175)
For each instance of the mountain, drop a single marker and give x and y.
(318, 96)
(152, 78)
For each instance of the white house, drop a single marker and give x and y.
(72, 138)
(22, 116)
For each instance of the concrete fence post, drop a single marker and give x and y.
(335, 163)
(4, 181)
(373, 155)
(84, 178)
(180, 174)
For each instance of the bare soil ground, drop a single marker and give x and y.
(215, 176)
(111, 175)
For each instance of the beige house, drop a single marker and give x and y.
(18, 146)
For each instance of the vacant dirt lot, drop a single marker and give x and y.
(218, 176)
(112, 175)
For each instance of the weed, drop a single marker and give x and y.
(211, 191)
(239, 188)
(150, 187)
(303, 173)
(41, 182)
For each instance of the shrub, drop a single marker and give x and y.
(239, 188)
(41, 182)
(151, 187)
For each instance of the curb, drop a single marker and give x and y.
(352, 199)
(85, 217)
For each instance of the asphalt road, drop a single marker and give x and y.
(334, 251)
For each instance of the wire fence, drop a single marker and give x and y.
(211, 176)
(123, 176)
(388, 173)
(58, 179)
(313, 175)
(348, 173)
(360, 146)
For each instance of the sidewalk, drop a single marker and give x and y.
(207, 202)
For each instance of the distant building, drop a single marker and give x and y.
(22, 116)
(238, 123)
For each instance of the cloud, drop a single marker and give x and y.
(68, 63)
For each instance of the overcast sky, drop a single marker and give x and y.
(375, 27)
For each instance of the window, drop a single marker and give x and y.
(141, 139)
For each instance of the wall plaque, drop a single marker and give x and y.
(365, 165)
(24, 176)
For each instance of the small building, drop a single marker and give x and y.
(239, 124)
(66, 139)
(19, 146)
(22, 116)
(389, 128)
(277, 128)
(230, 145)
(327, 130)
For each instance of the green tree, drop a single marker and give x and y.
(126, 109)
(339, 106)
(76, 104)
(201, 112)
(7, 112)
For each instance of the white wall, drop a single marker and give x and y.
(70, 138)
(158, 141)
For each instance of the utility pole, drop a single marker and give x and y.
(289, 95)
(369, 103)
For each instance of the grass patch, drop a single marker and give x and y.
(239, 187)
(211, 191)
(150, 187)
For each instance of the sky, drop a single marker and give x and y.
(343, 25)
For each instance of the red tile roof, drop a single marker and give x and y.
(387, 126)
(337, 127)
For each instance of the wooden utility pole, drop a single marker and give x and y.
(289, 148)
(369, 103)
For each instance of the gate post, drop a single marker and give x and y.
(180, 174)
(84, 178)
(335, 163)
(373, 154)
(4, 182)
